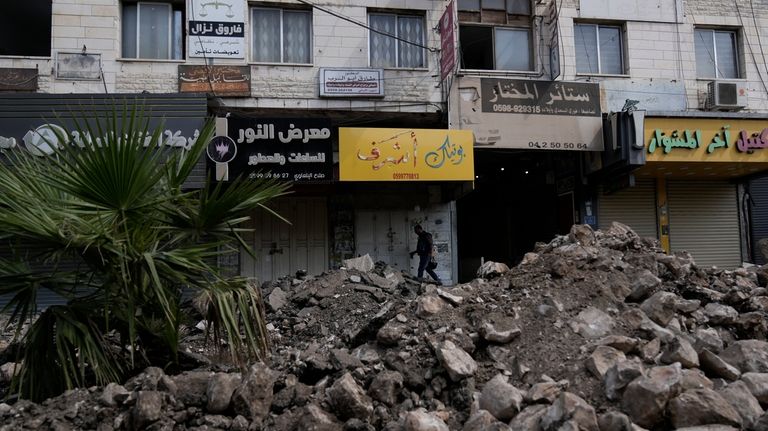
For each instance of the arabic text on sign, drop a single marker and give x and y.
(267, 132)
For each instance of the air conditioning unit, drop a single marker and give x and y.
(726, 96)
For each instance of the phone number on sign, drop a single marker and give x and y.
(522, 109)
(558, 145)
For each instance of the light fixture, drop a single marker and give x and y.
(502, 169)
(526, 172)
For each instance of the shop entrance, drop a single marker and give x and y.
(518, 200)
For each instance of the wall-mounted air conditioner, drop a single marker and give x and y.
(726, 96)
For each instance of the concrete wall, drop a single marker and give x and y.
(336, 43)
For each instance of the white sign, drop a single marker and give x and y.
(351, 82)
(217, 28)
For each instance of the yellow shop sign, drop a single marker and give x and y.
(706, 140)
(405, 155)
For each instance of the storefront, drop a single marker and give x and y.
(35, 121)
(694, 178)
(529, 140)
(398, 178)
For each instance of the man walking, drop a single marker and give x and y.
(424, 250)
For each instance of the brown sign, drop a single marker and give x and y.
(231, 81)
(15, 79)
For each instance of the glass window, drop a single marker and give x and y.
(386, 51)
(514, 7)
(716, 54)
(25, 28)
(599, 49)
(152, 31)
(472, 5)
(281, 35)
(495, 48)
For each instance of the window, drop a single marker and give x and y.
(717, 55)
(153, 30)
(281, 35)
(17, 22)
(387, 51)
(495, 34)
(598, 49)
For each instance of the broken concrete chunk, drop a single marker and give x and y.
(500, 398)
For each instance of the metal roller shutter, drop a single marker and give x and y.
(759, 215)
(704, 220)
(633, 206)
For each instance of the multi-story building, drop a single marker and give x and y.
(681, 86)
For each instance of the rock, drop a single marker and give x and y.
(429, 305)
(761, 424)
(454, 300)
(148, 408)
(500, 398)
(614, 421)
(569, 407)
(716, 366)
(529, 419)
(491, 269)
(382, 282)
(458, 363)
(702, 407)
(343, 360)
(592, 323)
(758, 385)
(680, 350)
(366, 353)
(314, 418)
(8, 371)
(349, 400)
(545, 392)
(694, 378)
(619, 342)
(220, 389)
(582, 234)
(707, 338)
(484, 421)
(253, 397)
(687, 306)
(191, 387)
(495, 334)
(602, 359)
(391, 333)
(354, 278)
(420, 420)
(646, 397)
(741, 399)
(619, 376)
(747, 356)
(660, 307)
(720, 314)
(363, 263)
(643, 285)
(277, 299)
(385, 387)
(111, 393)
(651, 350)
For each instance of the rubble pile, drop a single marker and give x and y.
(597, 330)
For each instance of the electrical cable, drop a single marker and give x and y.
(759, 39)
(751, 51)
(366, 26)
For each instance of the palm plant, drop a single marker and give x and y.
(118, 237)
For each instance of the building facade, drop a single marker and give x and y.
(563, 98)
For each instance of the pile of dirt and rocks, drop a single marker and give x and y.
(597, 330)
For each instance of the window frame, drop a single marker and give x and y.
(282, 10)
(169, 55)
(397, 15)
(531, 47)
(713, 55)
(622, 47)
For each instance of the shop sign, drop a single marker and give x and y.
(230, 81)
(405, 155)
(351, 82)
(18, 79)
(447, 42)
(542, 115)
(217, 28)
(287, 149)
(706, 140)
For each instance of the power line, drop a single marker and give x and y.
(366, 26)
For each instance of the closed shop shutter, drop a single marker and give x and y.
(633, 206)
(759, 215)
(704, 220)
